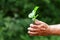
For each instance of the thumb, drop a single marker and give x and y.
(37, 22)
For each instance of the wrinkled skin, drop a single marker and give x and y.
(39, 28)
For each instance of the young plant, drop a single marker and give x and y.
(33, 14)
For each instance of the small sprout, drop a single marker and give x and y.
(33, 14)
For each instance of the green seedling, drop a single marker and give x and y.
(33, 14)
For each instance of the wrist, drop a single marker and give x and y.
(52, 29)
(55, 29)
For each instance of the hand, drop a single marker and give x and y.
(39, 28)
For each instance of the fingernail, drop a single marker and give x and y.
(28, 28)
(31, 24)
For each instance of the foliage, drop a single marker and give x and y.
(14, 18)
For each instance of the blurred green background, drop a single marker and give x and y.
(14, 19)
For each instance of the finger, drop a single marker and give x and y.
(37, 26)
(33, 34)
(33, 26)
(42, 27)
(29, 32)
(38, 34)
(37, 22)
(33, 30)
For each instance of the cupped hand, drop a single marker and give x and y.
(39, 28)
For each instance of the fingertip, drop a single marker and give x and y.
(28, 28)
(31, 24)
(28, 31)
